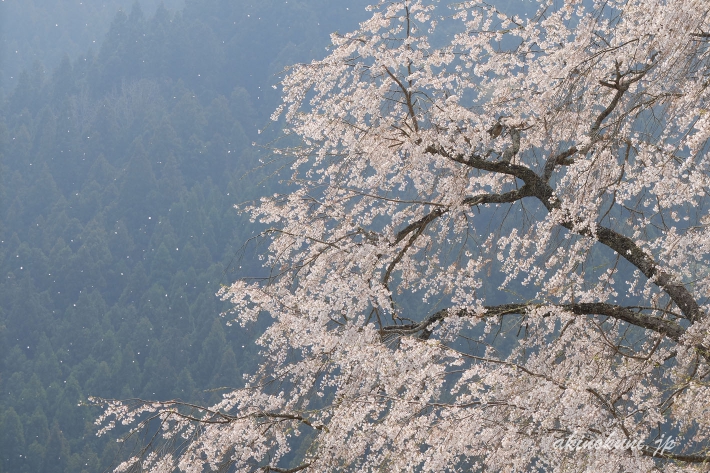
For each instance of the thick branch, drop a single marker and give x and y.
(627, 248)
(276, 469)
(479, 162)
(536, 186)
(665, 327)
(562, 159)
(505, 198)
(700, 35)
(649, 452)
(297, 417)
(419, 224)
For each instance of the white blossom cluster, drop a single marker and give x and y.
(489, 245)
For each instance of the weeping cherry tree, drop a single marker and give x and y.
(491, 252)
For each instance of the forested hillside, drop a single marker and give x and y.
(119, 169)
(40, 33)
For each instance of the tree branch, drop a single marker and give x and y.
(297, 417)
(407, 96)
(505, 198)
(536, 186)
(676, 457)
(665, 327)
(276, 469)
(560, 159)
(621, 87)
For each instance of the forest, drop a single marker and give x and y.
(302, 236)
(127, 135)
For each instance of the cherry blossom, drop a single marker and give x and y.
(493, 236)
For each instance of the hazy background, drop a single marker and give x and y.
(126, 133)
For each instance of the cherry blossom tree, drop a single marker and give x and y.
(492, 253)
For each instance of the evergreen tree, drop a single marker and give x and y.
(13, 455)
(57, 451)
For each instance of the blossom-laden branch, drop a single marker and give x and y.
(665, 327)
